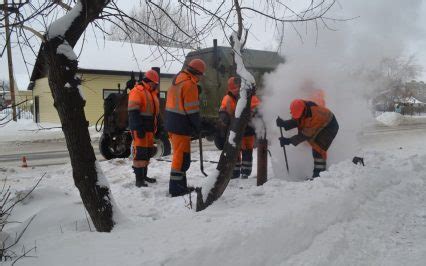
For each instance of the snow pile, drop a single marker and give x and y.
(390, 119)
(351, 215)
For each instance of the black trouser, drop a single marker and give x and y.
(319, 163)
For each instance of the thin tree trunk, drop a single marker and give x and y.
(227, 161)
(231, 150)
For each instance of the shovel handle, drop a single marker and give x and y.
(285, 153)
(200, 144)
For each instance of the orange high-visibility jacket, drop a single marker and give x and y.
(143, 108)
(313, 123)
(182, 115)
(229, 104)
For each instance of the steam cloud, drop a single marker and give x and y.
(338, 62)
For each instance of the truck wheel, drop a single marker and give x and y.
(163, 146)
(118, 148)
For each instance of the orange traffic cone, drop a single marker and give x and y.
(24, 161)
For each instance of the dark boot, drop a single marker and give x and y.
(183, 191)
(246, 163)
(149, 179)
(319, 164)
(178, 185)
(140, 174)
(315, 174)
(237, 170)
(190, 188)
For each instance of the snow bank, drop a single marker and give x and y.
(351, 215)
(390, 119)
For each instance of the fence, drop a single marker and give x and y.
(24, 110)
(406, 109)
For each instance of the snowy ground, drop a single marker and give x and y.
(351, 215)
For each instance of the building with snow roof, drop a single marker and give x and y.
(104, 66)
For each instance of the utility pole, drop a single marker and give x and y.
(9, 60)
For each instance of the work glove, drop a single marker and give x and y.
(284, 141)
(280, 122)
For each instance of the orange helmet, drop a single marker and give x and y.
(198, 65)
(152, 75)
(234, 85)
(297, 107)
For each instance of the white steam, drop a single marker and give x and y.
(340, 63)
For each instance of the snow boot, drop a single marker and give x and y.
(149, 179)
(244, 176)
(179, 187)
(315, 174)
(140, 174)
(237, 171)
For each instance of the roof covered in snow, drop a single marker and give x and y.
(120, 56)
(410, 100)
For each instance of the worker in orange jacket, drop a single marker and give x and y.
(244, 162)
(143, 109)
(182, 120)
(316, 124)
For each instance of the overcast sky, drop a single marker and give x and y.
(262, 33)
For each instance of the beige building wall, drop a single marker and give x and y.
(47, 112)
(94, 86)
(21, 96)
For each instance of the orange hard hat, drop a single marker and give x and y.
(152, 75)
(234, 85)
(297, 107)
(197, 65)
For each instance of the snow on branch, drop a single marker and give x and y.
(247, 79)
(61, 26)
(247, 82)
(67, 51)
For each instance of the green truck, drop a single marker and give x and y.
(115, 140)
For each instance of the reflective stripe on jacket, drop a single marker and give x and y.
(182, 114)
(144, 101)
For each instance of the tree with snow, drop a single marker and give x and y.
(61, 35)
(217, 183)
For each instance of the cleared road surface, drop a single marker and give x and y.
(45, 152)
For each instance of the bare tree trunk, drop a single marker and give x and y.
(228, 159)
(231, 150)
(64, 85)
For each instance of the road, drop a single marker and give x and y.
(382, 129)
(46, 153)
(41, 153)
